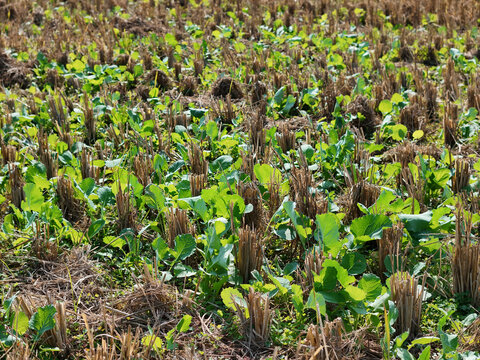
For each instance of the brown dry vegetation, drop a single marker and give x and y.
(99, 318)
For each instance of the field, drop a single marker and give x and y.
(248, 179)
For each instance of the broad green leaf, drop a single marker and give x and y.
(185, 246)
(449, 342)
(221, 163)
(327, 279)
(114, 241)
(154, 197)
(355, 263)
(403, 354)
(399, 132)
(355, 293)
(385, 106)
(425, 355)
(106, 195)
(87, 185)
(171, 40)
(5, 337)
(289, 268)
(297, 297)
(113, 163)
(161, 247)
(289, 207)
(20, 323)
(33, 198)
(417, 225)
(397, 98)
(316, 299)
(372, 286)
(342, 274)
(95, 228)
(328, 235)
(228, 294)
(265, 173)
(43, 320)
(279, 95)
(184, 324)
(154, 341)
(417, 134)
(212, 130)
(281, 283)
(307, 150)
(424, 341)
(370, 226)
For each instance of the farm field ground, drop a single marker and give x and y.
(247, 179)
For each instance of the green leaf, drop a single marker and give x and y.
(106, 195)
(184, 324)
(228, 294)
(403, 354)
(342, 274)
(289, 207)
(20, 323)
(297, 297)
(370, 226)
(160, 247)
(171, 40)
(397, 98)
(115, 241)
(355, 293)
(424, 340)
(154, 197)
(87, 185)
(185, 246)
(212, 130)
(425, 355)
(355, 263)
(449, 342)
(5, 337)
(154, 341)
(417, 134)
(221, 163)
(43, 320)
(95, 228)
(279, 95)
(398, 132)
(327, 233)
(33, 198)
(265, 173)
(316, 299)
(372, 286)
(113, 163)
(417, 225)
(385, 106)
(289, 268)
(282, 284)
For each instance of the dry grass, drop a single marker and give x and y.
(461, 177)
(255, 327)
(390, 245)
(16, 183)
(303, 191)
(198, 164)
(408, 300)
(72, 208)
(251, 195)
(361, 193)
(329, 341)
(249, 254)
(127, 215)
(178, 224)
(466, 259)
